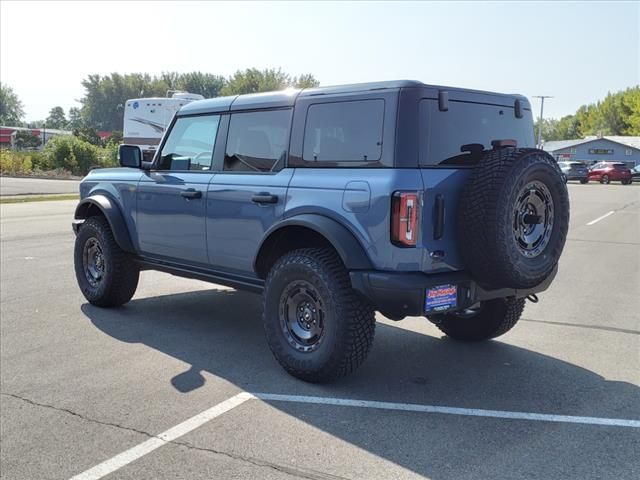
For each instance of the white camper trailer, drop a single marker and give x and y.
(145, 119)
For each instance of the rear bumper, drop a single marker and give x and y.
(398, 295)
(576, 176)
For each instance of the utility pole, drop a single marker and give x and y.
(541, 97)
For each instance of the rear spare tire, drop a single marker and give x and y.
(513, 218)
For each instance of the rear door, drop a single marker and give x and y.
(248, 193)
(172, 198)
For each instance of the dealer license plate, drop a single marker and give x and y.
(440, 298)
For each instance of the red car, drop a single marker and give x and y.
(606, 172)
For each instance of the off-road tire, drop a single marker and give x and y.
(495, 318)
(486, 218)
(120, 278)
(349, 320)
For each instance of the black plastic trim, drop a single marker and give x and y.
(349, 249)
(213, 276)
(112, 213)
(398, 295)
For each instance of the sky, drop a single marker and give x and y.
(574, 51)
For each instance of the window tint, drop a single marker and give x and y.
(190, 143)
(442, 134)
(344, 131)
(257, 141)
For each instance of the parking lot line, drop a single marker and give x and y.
(140, 450)
(601, 218)
(473, 412)
(128, 456)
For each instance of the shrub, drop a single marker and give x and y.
(108, 156)
(14, 162)
(72, 154)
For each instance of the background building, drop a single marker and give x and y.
(597, 149)
(8, 135)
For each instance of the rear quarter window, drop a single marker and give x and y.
(442, 134)
(344, 131)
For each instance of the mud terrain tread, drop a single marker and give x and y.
(355, 314)
(497, 318)
(121, 280)
(486, 247)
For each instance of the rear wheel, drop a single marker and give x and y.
(491, 319)
(317, 326)
(584, 180)
(105, 273)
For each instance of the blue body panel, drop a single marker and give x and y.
(235, 223)
(169, 225)
(120, 185)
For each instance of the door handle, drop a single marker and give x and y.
(264, 198)
(191, 193)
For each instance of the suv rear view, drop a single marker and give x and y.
(333, 203)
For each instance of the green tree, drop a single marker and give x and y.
(35, 124)
(305, 81)
(89, 135)
(105, 97)
(25, 139)
(11, 109)
(56, 119)
(204, 84)
(75, 118)
(253, 80)
(617, 114)
(630, 106)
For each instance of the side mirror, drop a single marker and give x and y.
(130, 156)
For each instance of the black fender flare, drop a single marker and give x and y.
(350, 250)
(112, 213)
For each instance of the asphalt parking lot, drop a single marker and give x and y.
(11, 186)
(90, 392)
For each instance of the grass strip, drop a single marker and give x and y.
(39, 198)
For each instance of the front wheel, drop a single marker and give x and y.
(106, 275)
(605, 179)
(317, 326)
(584, 180)
(491, 319)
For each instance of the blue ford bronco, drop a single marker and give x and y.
(336, 202)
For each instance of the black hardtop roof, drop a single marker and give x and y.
(287, 97)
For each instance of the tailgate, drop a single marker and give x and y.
(442, 189)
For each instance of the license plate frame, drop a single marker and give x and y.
(440, 298)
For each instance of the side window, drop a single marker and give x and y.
(190, 143)
(344, 131)
(257, 141)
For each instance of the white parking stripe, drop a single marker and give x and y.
(601, 218)
(473, 412)
(134, 453)
(150, 445)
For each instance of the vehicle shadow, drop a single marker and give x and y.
(220, 331)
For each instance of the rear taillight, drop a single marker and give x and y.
(404, 218)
